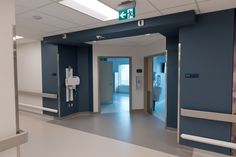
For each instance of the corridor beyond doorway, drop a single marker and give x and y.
(156, 86)
(114, 83)
(159, 87)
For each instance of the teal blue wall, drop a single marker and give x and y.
(49, 75)
(172, 81)
(207, 50)
(80, 59)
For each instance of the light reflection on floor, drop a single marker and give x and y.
(120, 104)
(160, 110)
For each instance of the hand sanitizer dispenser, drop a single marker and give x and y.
(71, 82)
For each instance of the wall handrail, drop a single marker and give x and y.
(13, 141)
(39, 94)
(210, 141)
(38, 107)
(223, 117)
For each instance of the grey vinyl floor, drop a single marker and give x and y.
(137, 128)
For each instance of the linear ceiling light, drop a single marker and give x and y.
(17, 37)
(92, 8)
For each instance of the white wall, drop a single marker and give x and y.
(156, 47)
(7, 89)
(29, 66)
(137, 54)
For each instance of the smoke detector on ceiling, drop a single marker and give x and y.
(37, 17)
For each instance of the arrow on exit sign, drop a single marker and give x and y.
(127, 14)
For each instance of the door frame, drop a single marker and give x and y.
(130, 79)
(148, 94)
(148, 78)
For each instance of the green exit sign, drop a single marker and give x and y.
(127, 14)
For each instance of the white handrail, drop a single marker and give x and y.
(223, 117)
(13, 141)
(38, 107)
(44, 95)
(209, 141)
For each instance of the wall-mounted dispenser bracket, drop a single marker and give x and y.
(71, 82)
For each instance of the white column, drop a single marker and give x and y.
(7, 90)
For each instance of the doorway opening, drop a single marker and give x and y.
(156, 86)
(114, 83)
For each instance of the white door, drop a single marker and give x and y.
(106, 81)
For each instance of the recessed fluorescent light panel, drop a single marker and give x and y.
(17, 37)
(92, 8)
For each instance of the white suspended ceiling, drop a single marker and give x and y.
(58, 19)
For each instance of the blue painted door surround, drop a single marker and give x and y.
(80, 59)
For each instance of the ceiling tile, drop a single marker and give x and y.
(216, 5)
(48, 20)
(143, 6)
(96, 25)
(180, 9)
(56, 33)
(32, 4)
(68, 14)
(163, 4)
(34, 26)
(148, 15)
(116, 21)
(63, 31)
(202, 0)
(21, 9)
(28, 32)
(79, 28)
(70, 30)
(113, 4)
